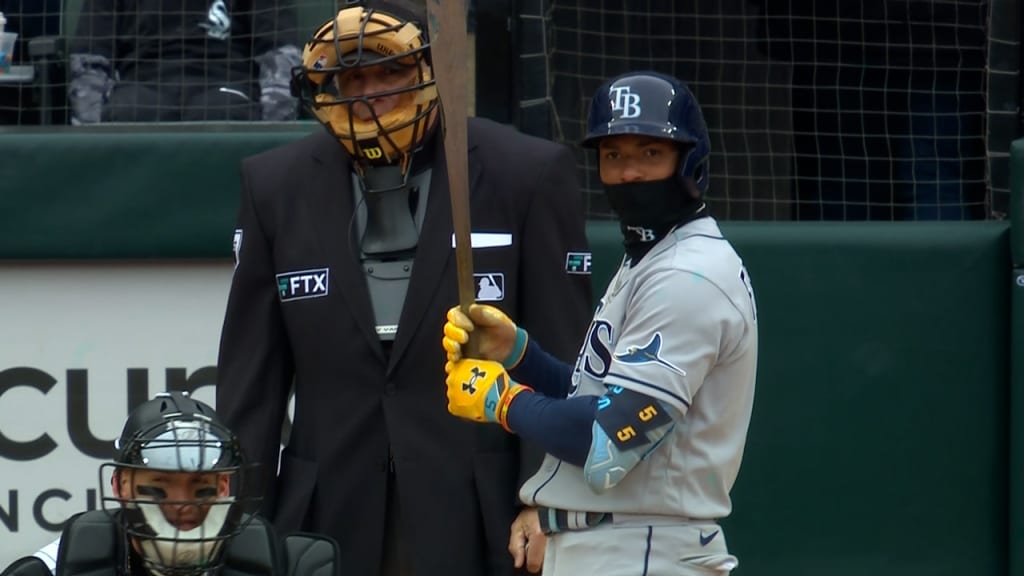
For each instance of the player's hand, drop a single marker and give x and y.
(480, 390)
(498, 336)
(526, 542)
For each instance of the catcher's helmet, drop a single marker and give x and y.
(173, 434)
(387, 34)
(655, 105)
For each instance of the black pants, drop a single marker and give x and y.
(180, 101)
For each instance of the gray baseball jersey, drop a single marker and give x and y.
(681, 327)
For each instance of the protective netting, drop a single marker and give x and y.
(817, 109)
(87, 61)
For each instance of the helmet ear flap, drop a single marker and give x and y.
(700, 175)
(693, 172)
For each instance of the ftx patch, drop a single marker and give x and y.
(577, 262)
(303, 284)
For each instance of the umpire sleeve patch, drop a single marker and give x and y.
(236, 245)
(627, 417)
(578, 262)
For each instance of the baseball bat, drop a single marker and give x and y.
(448, 52)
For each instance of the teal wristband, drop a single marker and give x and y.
(518, 349)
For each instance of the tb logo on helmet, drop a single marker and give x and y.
(626, 102)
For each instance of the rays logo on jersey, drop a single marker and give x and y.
(647, 354)
(303, 284)
(595, 358)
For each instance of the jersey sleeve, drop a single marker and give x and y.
(48, 555)
(675, 327)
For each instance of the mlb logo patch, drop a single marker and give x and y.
(490, 287)
(303, 284)
(321, 62)
(577, 262)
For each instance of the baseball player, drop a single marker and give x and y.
(645, 433)
(171, 509)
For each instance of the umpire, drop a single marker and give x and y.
(344, 269)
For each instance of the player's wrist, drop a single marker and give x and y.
(506, 403)
(515, 356)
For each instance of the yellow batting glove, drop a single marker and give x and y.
(456, 333)
(481, 390)
(499, 337)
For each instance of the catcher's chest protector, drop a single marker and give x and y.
(92, 545)
(27, 566)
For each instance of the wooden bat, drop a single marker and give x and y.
(448, 52)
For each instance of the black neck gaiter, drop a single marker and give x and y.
(649, 210)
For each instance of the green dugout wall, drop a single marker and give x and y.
(884, 420)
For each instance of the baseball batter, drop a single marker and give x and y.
(646, 432)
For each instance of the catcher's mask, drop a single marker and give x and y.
(359, 38)
(177, 483)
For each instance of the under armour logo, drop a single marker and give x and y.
(471, 385)
(625, 102)
(645, 234)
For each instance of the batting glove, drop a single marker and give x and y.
(481, 391)
(499, 337)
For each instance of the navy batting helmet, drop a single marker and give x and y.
(655, 105)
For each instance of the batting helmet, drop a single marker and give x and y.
(169, 435)
(655, 105)
(390, 34)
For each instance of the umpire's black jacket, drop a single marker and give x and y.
(356, 408)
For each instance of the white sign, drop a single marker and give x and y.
(78, 341)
